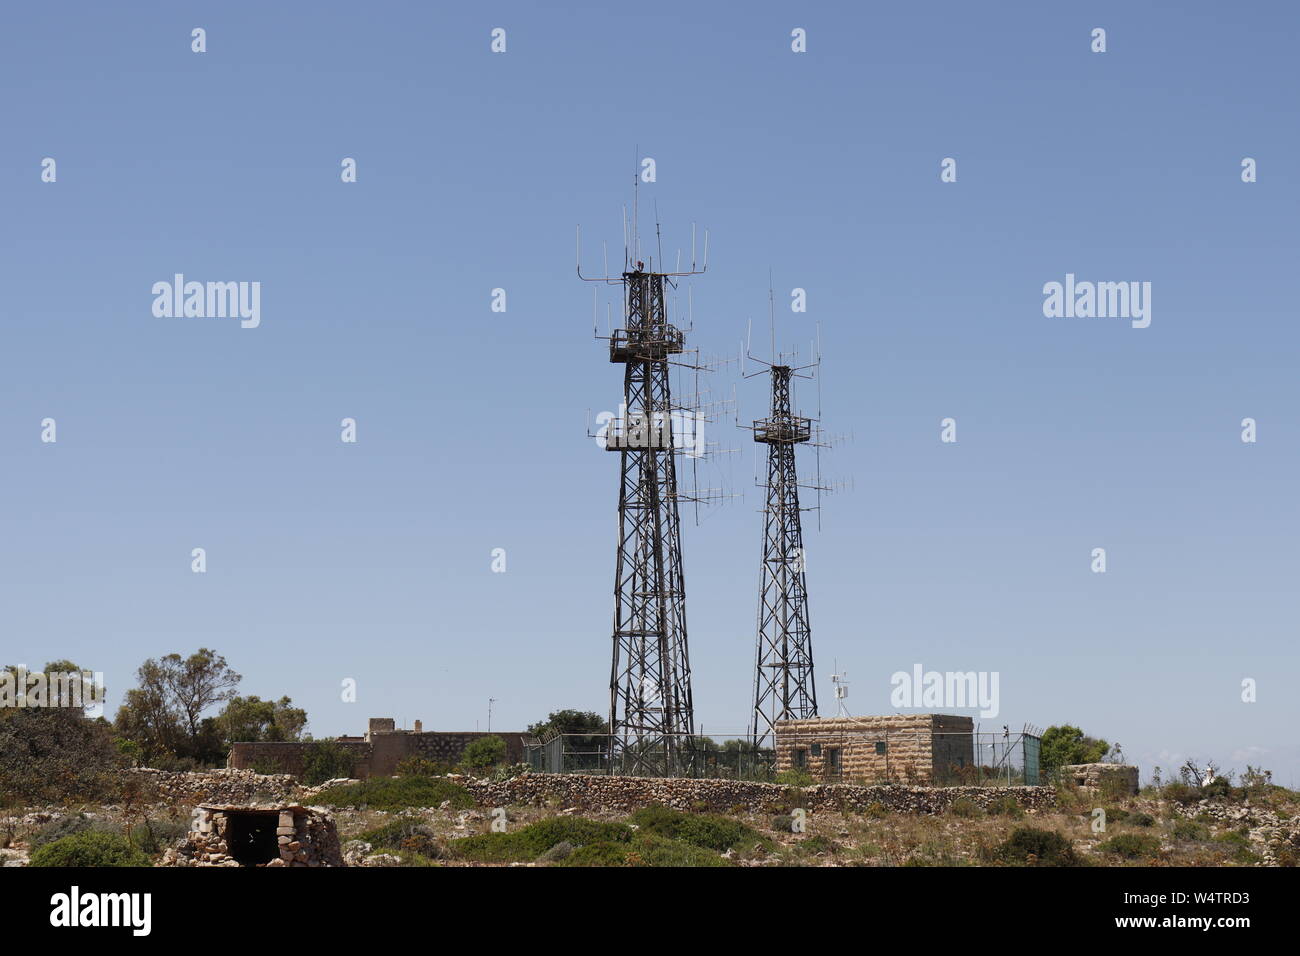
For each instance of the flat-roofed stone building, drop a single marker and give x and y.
(919, 749)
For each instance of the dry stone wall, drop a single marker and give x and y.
(588, 792)
(212, 786)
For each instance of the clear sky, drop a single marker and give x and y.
(372, 560)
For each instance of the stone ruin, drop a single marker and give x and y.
(1116, 778)
(258, 835)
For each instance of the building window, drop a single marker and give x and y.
(816, 750)
(833, 759)
(800, 757)
(881, 747)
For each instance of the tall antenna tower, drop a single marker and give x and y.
(651, 711)
(783, 678)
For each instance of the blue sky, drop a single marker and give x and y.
(372, 560)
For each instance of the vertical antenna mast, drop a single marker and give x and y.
(651, 708)
(784, 688)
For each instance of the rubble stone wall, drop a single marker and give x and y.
(211, 786)
(588, 792)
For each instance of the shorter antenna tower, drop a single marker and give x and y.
(784, 688)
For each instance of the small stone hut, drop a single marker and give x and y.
(1110, 778)
(258, 835)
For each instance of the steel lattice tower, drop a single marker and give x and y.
(651, 714)
(783, 680)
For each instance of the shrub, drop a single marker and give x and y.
(1067, 744)
(396, 793)
(818, 844)
(530, 842)
(421, 767)
(795, 778)
(709, 831)
(644, 850)
(155, 836)
(964, 807)
(1117, 815)
(1245, 856)
(60, 828)
(1190, 830)
(326, 760)
(54, 755)
(1006, 807)
(561, 851)
(408, 836)
(1181, 793)
(783, 823)
(1143, 820)
(1034, 847)
(1217, 789)
(483, 754)
(876, 810)
(1131, 846)
(91, 848)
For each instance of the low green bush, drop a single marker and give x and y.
(795, 778)
(1131, 846)
(396, 793)
(409, 836)
(155, 836)
(1006, 807)
(60, 828)
(421, 767)
(709, 831)
(1030, 846)
(646, 849)
(90, 848)
(1190, 830)
(1181, 793)
(530, 842)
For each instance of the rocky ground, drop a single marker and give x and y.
(840, 826)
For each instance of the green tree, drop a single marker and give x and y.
(253, 719)
(484, 754)
(53, 755)
(164, 713)
(1067, 744)
(570, 722)
(326, 760)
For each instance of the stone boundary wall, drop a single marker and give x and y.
(212, 786)
(598, 792)
(590, 792)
